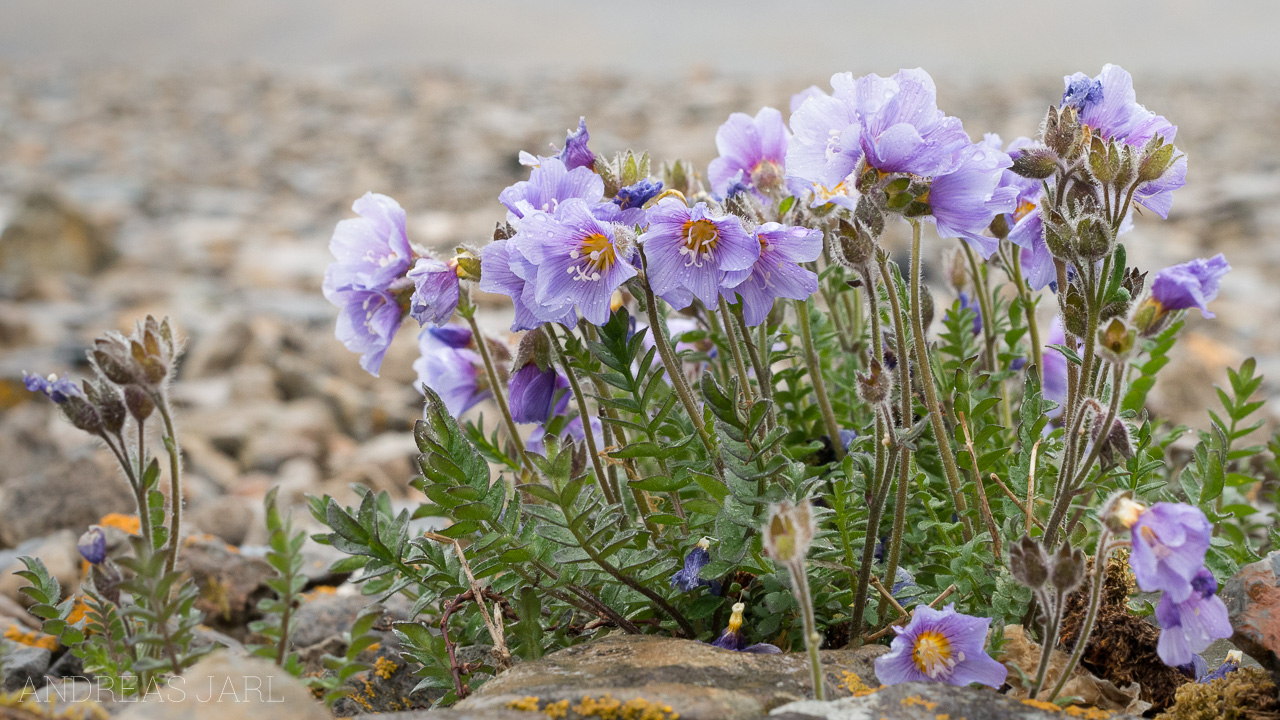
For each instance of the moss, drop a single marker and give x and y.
(22, 705)
(1122, 646)
(1246, 694)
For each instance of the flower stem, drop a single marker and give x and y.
(984, 305)
(812, 640)
(611, 494)
(744, 381)
(175, 480)
(495, 386)
(815, 376)
(925, 371)
(1095, 599)
(663, 343)
(904, 423)
(1024, 294)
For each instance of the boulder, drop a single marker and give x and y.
(697, 681)
(49, 236)
(224, 686)
(23, 666)
(918, 701)
(71, 495)
(58, 553)
(1252, 597)
(230, 583)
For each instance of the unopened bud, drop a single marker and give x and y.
(1096, 239)
(1036, 163)
(1068, 568)
(1116, 340)
(1028, 563)
(875, 386)
(789, 531)
(857, 249)
(534, 347)
(1121, 511)
(138, 402)
(1156, 161)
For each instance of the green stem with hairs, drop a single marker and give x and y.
(611, 494)
(815, 376)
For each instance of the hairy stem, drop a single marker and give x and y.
(904, 423)
(925, 371)
(175, 481)
(611, 493)
(1095, 599)
(495, 386)
(815, 376)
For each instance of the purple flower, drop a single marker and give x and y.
(776, 273)
(532, 392)
(733, 639)
(367, 322)
(1190, 626)
(57, 389)
(1108, 106)
(847, 437)
(1229, 665)
(1192, 284)
(1053, 367)
(435, 294)
(635, 196)
(93, 545)
(941, 646)
(578, 260)
(549, 184)
(798, 99)
(967, 303)
(504, 270)
(688, 578)
(894, 123)
(1169, 544)
(752, 152)
(965, 201)
(455, 374)
(689, 251)
(452, 335)
(371, 251)
(575, 153)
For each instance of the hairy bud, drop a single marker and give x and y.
(1068, 568)
(1028, 563)
(1036, 163)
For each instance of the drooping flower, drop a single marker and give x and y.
(1190, 626)
(532, 393)
(367, 322)
(636, 195)
(93, 545)
(577, 259)
(1108, 106)
(454, 335)
(57, 389)
(893, 123)
(371, 251)
(688, 578)
(1169, 544)
(436, 291)
(1053, 367)
(964, 201)
(733, 639)
(1192, 284)
(776, 273)
(1228, 666)
(941, 646)
(455, 374)
(550, 183)
(690, 250)
(504, 270)
(752, 152)
(575, 153)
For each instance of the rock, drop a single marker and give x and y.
(23, 665)
(230, 583)
(1020, 652)
(227, 687)
(71, 697)
(50, 236)
(71, 495)
(698, 681)
(229, 517)
(58, 553)
(218, 350)
(327, 614)
(387, 686)
(1252, 597)
(916, 701)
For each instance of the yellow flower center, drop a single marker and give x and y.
(932, 654)
(1025, 208)
(700, 240)
(735, 620)
(597, 256)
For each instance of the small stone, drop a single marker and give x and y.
(229, 517)
(23, 665)
(71, 495)
(50, 236)
(227, 687)
(1252, 597)
(58, 553)
(230, 583)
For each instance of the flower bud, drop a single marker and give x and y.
(1036, 163)
(789, 531)
(856, 247)
(1096, 239)
(83, 415)
(1068, 568)
(110, 406)
(138, 402)
(1116, 340)
(1156, 160)
(869, 217)
(467, 264)
(1028, 563)
(93, 545)
(1121, 511)
(875, 386)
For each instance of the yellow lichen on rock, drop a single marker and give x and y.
(32, 638)
(527, 704)
(854, 684)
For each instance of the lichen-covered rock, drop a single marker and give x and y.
(230, 583)
(22, 666)
(670, 677)
(1252, 597)
(920, 701)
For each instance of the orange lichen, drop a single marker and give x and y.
(851, 682)
(384, 668)
(32, 638)
(916, 700)
(1042, 705)
(319, 590)
(527, 704)
(1088, 713)
(120, 521)
(556, 710)
(78, 611)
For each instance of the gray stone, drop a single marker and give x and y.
(51, 236)
(230, 583)
(228, 687)
(918, 701)
(22, 665)
(698, 681)
(71, 495)
(58, 553)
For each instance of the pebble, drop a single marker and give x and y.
(1252, 597)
